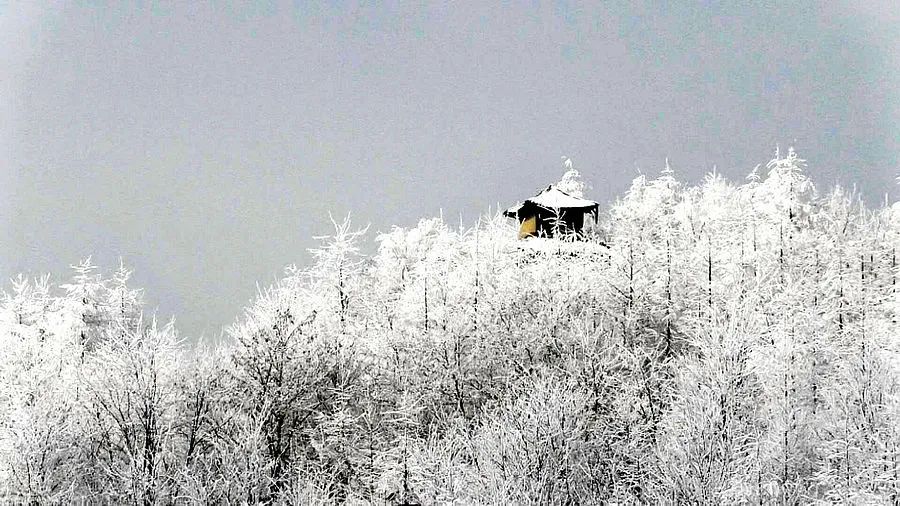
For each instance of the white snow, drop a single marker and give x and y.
(554, 198)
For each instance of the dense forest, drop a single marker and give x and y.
(724, 343)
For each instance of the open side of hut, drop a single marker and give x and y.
(552, 212)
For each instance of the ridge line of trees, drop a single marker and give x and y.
(710, 344)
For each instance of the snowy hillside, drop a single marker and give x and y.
(722, 343)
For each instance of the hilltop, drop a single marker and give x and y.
(718, 343)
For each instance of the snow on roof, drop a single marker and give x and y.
(513, 210)
(555, 198)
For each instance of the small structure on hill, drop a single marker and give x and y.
(552, 212)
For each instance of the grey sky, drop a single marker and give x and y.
(206, 142)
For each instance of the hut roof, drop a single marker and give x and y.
(554, 198)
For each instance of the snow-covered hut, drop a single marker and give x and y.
(551, 212)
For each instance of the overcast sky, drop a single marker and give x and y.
(205, 143)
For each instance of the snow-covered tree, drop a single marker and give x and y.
(723, 343)
(571, 181)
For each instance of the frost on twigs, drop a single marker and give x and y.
(724, 343)
(571, 181)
